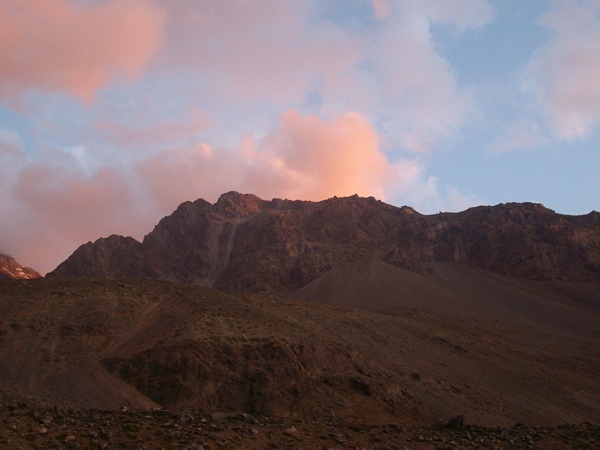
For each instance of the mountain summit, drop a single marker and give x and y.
(9, 268)
(245, 244)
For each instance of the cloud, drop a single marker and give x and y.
(305, 158)
(520, 136)
(147, 132)
(415, 188)
(59, 200)
(267, 55)
(562, 74)
(244, 63)
(52, 204)
(461, 14)
(63, 45)
(381, 8)
(418, 88)
(254, 50)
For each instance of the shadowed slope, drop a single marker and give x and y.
(369, 283)
(100, 343)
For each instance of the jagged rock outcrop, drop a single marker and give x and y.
(245, 244)
(9, 268)
(114, 256)
(516, 239)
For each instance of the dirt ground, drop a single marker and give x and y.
(73, 352)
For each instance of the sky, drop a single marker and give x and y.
(113, 112)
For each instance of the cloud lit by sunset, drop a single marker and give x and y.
(113, 112)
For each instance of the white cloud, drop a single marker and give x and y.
(423, 192)
(563, 73)
(10, 140)
(418, 90)
(520, 136)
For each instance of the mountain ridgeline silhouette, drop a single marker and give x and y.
(245, 244)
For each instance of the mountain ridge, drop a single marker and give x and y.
(242, 243)
(10, 268)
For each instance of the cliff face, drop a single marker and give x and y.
(245, 244)
(9, 268)
(524, 240)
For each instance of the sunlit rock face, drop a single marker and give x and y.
(245, 244)
(9, 268)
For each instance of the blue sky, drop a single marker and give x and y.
(112, 112)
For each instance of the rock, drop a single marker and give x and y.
(9, 268)
(456, 422)
(291, 431)
(218, 416)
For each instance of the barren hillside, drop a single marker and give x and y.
(103, 343)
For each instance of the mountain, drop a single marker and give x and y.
(245, 244)
(347, 311)
(9, 268)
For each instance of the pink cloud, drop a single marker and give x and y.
(56, 209)
(55, 203)
(562, 74)
(381, 8)
(53, 45)
(51, 205)
(324, 158)
(142, 131)
(56, 191)
(258, 49)
(306, 158)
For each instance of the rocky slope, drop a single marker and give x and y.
(245, 244)
(9, 268)
(102, 344)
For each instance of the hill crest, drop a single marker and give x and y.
(10, 268)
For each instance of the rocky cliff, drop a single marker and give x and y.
(245, 244)
(9, 268)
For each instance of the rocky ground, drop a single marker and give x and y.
(24, 425)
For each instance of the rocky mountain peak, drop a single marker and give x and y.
(9, 268)
(245, 244)
(105, 258)
(235, 205)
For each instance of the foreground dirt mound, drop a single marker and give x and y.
(107, 343)
(23, 425)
